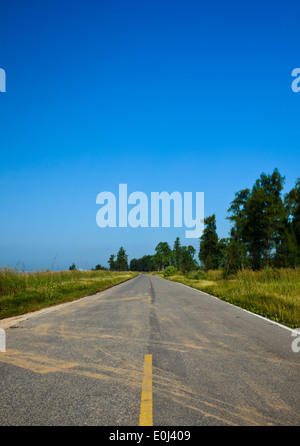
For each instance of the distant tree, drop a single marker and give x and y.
(287, 251)
(209, 244)
(188, 263)
(112, 263)
(234, 255)
(99, 267)
(163, 256)
(292, 206)
(153, 265)
(177, 253)
(222, 251)
(72, 267)
(134, 265)
(141, 264)
(121, 263)
(266, 228)
(237, 214)
(258, 217)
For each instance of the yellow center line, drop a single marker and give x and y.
(146, 415)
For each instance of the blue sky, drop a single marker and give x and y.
(160, 95)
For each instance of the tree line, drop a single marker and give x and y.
(180, 257)
(265, 232)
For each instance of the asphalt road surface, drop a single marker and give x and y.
(148, 350)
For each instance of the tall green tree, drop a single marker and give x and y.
(177, 253)
(112, 263)
(237, 214)
(209, 244)
(163, 256)
(237, 250)
(235, 255)
(274, 211)
(153, 265)
(258, 218)
(289, 253)
(188, 263)
(121, 263)
(141, 264)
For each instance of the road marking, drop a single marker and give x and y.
(146, 415)
(149, 299)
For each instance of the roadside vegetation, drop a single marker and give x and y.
(265, 232)
(257, 267)
(272, 293)
(22, 292)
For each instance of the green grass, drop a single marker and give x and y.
(273, 293)
(21, 293)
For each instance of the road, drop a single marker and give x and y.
(148, 350)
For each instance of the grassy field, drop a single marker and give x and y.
(24, 292)
(273, 293)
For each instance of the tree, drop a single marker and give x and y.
(111, 263)
(288, 249)
(177, 253)
(235, 255)
(274, 210)
(72, 267)
(99, 267)
(292, 206)
(254, 231)
(121, 264)
(163, 256)
(209, 247)
(237, 251)
(153, 264)
(142, 264)
(222, 252)
(188, 262)
(134, 265)
(258, 217)
(287, 252)
(237, 214)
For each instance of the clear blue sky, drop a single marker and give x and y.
(161, 95)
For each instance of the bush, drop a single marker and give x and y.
(170, 271)
(11, 281)
(200, 274)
